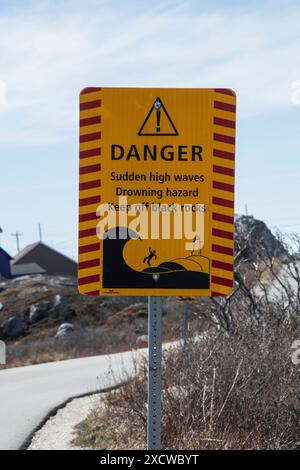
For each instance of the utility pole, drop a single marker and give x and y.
(17, 235)
(246, 209)
(40, 233)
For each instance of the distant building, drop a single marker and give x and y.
(25, 269)
(39, 258)
(5, 259)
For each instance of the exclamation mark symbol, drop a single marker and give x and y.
(157, 106)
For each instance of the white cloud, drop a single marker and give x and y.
(47, 55)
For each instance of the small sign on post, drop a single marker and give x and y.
(156, 201)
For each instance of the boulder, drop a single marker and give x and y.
(142, 339)
(65, 330)
(39, 311)
(67, 327)
(12, 328)
(61, 309)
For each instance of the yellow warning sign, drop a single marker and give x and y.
(156, 203)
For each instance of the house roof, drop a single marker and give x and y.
(5, 253)
(19, 256)
(26, 268)
(24, 252)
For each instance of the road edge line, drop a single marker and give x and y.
(28, 440)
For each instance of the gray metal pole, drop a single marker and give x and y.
(40, 233)
(154, 374)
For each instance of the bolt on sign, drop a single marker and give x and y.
(156, 195)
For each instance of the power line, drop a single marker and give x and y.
(291, 218)
(61, 242)
(292, 225)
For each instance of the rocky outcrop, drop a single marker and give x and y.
(256, 239)
(61, 309)
(38, 312)
(12, 328)
(65, 330)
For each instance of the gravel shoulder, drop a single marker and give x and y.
(57, 433)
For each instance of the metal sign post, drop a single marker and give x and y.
(154, 374)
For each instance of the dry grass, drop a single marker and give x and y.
(130, 313)
(225, 392)
(85, 342)
(119, 332)
(104, 324)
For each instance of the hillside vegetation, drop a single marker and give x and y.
(235, 387)
(44, 318)
(238, 391)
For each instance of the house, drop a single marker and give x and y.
(26, 269)
(39, 258)
(5, 259)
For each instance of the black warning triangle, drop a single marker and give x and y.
(158, 121)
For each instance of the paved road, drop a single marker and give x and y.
(28, 394)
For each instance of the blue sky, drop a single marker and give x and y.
(49, 50)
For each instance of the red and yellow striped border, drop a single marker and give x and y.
(89, 197)
(222, 242)
(222, 232)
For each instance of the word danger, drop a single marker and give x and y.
(181, 153)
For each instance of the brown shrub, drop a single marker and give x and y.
(220, 392)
